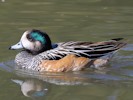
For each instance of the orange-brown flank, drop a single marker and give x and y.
(68, 63)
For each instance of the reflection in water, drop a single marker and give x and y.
(32, 87)
(2, 0)
(129, 47)
(55, 78)
(36, 84)
(35, 88)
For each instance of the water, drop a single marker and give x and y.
(86, 20)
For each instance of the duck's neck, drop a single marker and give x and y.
(38, 52)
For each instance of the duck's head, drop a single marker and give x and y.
(34, 41)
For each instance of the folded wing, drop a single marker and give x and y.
(84, 49)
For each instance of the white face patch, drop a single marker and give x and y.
(25, 42)
(33, 46)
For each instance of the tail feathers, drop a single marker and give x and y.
(100, 49)
(117, 39)
(102, 52)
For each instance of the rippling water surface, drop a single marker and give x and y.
(65, 20)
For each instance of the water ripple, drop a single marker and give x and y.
(128, 47)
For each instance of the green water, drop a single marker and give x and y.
(65, 20)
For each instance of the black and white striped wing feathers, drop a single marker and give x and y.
(85, 49)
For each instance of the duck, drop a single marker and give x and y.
(38, 53)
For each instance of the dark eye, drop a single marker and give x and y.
(29, 38)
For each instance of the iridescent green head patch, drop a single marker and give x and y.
(38, 37)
